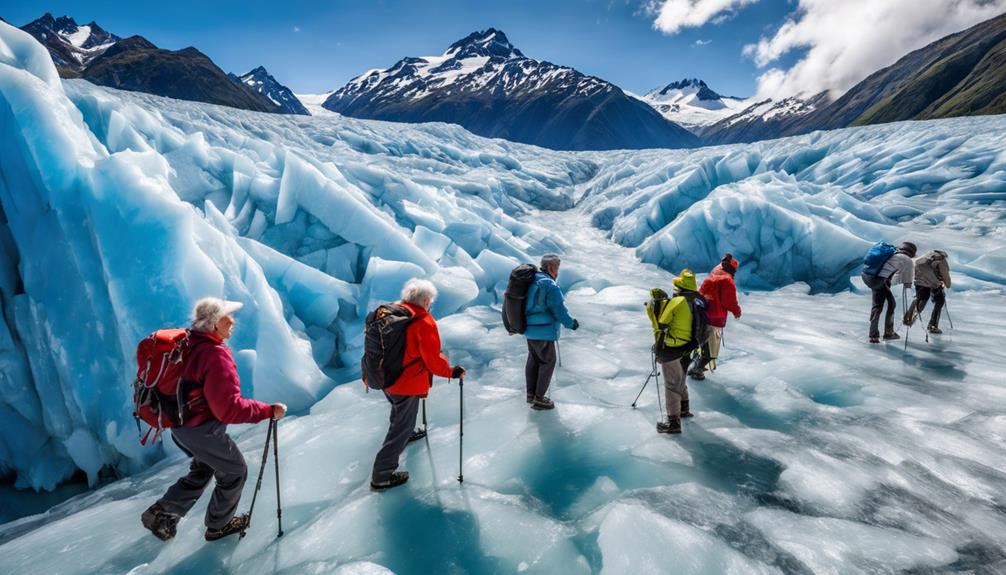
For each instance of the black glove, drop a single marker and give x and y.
(576, 325)
(457, 372)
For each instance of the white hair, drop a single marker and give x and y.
(419, 292)
(210, 310)
(549, 260)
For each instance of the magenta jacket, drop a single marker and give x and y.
(210, 363)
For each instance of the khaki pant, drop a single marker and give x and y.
(675, 384)
(706, 358)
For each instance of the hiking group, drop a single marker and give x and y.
(885, 266)
(187, 380)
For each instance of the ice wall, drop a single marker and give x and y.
(805, 208)
(121, 209)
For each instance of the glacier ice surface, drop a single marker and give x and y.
(810, 452)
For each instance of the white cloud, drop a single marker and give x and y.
(701, 43)
(296, 28)
(673, 15)
(848, 40)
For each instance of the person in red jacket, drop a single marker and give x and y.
(212, 391)
(422, 360)
(721, 295)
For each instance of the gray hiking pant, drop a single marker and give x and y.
(402, 424)
(214, 455)
(540, 365)
(675, 384)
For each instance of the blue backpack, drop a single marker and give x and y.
(877, 257)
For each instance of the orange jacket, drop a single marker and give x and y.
(423, 358)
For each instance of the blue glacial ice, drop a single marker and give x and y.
(810, 452)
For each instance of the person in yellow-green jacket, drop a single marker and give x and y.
(672, 329)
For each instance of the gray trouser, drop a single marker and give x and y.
(402, 424)
(214, 455)
(675, 384)
(539, 367)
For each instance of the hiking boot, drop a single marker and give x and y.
(891, 336)
(672, 425)
(237, 524)
(697, 375)
(161, 523)
(542, 403)
(935, 330)
(874, 339)
(417, 435)
(685, 412)
(397, 478)
(529, 397)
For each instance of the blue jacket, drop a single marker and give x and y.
(545, 309)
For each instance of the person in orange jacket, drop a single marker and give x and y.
(422, 360)
(721, 295)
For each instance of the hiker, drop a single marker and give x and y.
(897, 268)
(545, 311)
(932, 277)
(721, 294)
(672, 329)
(214, 400)
(421, 361)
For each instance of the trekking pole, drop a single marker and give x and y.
(904, 304)
(258, 484)
(461, 435)
(275, 459)
(660, 402)
(424, 415)
(653, 373)
(946, 306)
(558, 354)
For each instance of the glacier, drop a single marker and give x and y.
(810, 453)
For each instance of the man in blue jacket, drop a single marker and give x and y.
(545, 311)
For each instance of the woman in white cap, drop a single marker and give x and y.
(211, 391)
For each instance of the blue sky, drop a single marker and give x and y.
(316, 46)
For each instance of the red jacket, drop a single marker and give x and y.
(721, 294)
(423, 358)
(210, 363)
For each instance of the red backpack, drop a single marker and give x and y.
(157, 393)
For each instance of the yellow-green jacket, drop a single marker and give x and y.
(674, 321)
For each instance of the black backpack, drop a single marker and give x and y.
(515, 298)
(384, 345)
(700, 322)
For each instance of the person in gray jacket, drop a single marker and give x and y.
(932, 277)
(898, 269)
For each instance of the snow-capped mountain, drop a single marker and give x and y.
(485, 84)
(260, 81)
(692, 104)
(72, 46)
(762, 120)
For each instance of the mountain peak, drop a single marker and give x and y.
(491, 42)
(703, 92)
(684, 85)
